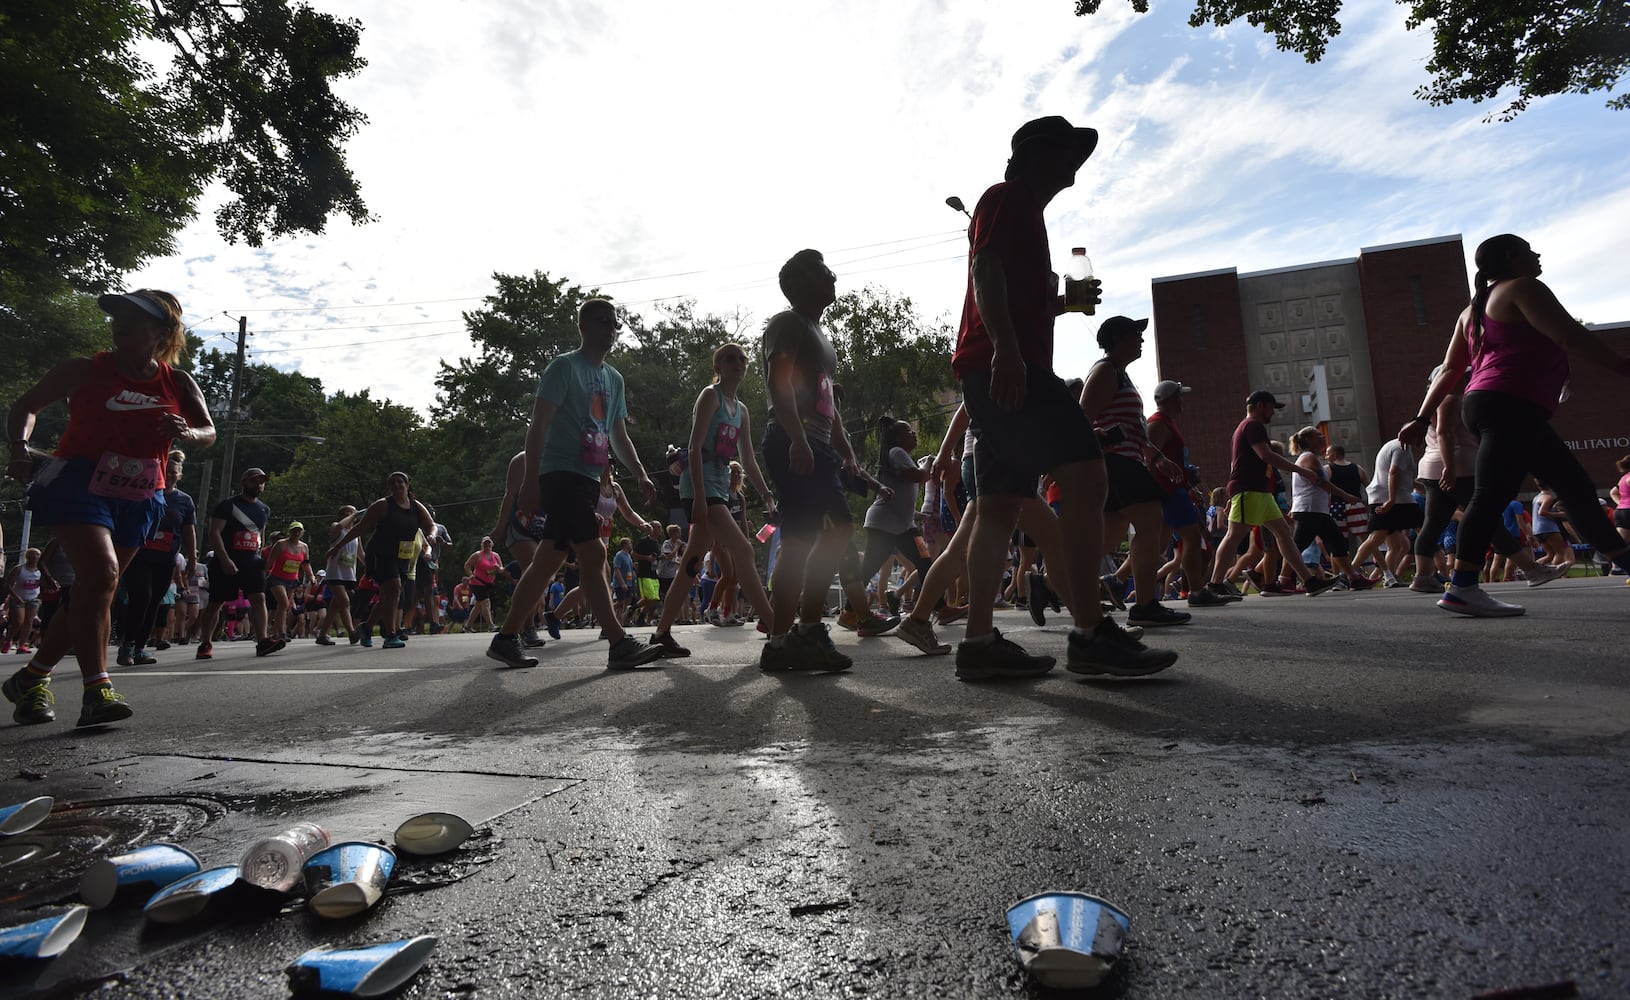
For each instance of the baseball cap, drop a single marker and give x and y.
(254, 473)
(1120, 326)
(1056, 130)
(124, 302)
(1167, 389)
(1263, 396)
(296, 525)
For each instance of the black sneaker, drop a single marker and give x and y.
(1110, 651)
(1207, 598)
(1114, 590)
(552, 624)
(1154, 614)
(1040, 597)
(506, 649)
(999, 658)
(32, 696)
(893, 599)
(268, 647)
(530, 637)
(773, 659)
(671, 650)
(1226, 591)
(102, 705)
(813, 651)
(1319, 584)
(628, 653)
(1127, 633)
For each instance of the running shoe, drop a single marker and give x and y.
(1274, 589)
(1425, 585)
(713, 616)
(734, 621)
(206, 650)
(124, 659)
(1474, 601)
(354, 636)
(813, 650)
(921, 635)
(161, 645)
(998, 659)
(1115, 590)
(1156, 615)
(1110, 651)
(876, 625)
(1207, 598)
(1131, 633)
(102, 705)
(402, 636)
(1040, 597)
(5, 645)
(1358, 581)
(849, 619)
(269, 647)
(951, 613)
(530, 637)
(551, 624)
(1317, 585)
(324, 640)
(1254, 576)
(1545, 574)
(141, 659)
(773, 658)
(506, 649)
(671, 649)
(367, 641)
(1225, 591)
(893, 599)
(394, 642)
(32, 696)
(628, 652)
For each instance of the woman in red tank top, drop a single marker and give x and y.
(103, 490)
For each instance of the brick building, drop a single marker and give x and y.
(1378, 323)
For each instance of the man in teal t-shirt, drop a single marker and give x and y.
(578, 418)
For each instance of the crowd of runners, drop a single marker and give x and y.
(1027, 501)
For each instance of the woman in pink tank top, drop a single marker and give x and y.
(1517, 338)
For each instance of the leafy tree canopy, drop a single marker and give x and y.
(103, 158)
(1479, 47)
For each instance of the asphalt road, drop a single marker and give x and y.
(1354, 795)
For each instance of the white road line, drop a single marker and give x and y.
(218, 672)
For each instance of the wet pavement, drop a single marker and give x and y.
(1355, 795)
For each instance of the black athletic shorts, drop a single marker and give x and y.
(569, 502)
(805, 503)
(1402, 517)
(250, 577)
(1016, 447)
(1130, 482)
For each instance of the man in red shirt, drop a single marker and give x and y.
(1028, 422)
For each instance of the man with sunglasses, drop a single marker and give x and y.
(579, 417)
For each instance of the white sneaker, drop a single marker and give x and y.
(1545, 574)
(1476, 602)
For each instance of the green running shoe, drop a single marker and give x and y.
(103, 705)
(32, 697)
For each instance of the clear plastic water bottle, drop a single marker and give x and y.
(1080, 287)
(274, 862)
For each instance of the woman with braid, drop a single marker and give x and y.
(1517, 337)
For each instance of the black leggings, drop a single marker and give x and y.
(882, 544)
(145, 583)
(1514, 438)
(1440, 510)
(1311, 524)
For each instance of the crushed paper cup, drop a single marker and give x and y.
(46, 937)
(142, 872)
(347, 878)
(432, 833)
(371, 971)
(15, 819)
(1067, 940)
(182, 900)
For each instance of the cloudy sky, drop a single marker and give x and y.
(663, 150)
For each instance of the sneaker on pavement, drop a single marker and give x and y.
(1207, 599)
(1273, 589)
(712, 616)
(1475, 602)
(102, 705)
(893, 599)
(124, 659)
(1040, 597)
(1358, 582)
(876, 625)
(921, 635)
(1545, 574)
(773, 658)
(324, 640)
(1227, 591)
(367, 640)
(32, 696)
(1317, 585)
(628, 653)
(813, 651)
(999, 658)
(951, 613)
(530, 637)
(394, 642)
(506, 649)
(268, 647)
(141, 659)
(206, 650)
(1255, 578)
(551, 624)
(1425, 585)
(1114, 589)
(849, 619)
(671, 650)
(1108, 650)
(1154, 614)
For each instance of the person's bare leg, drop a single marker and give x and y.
(787, 584)
(1081, 526)
(596, 586)
(1286, 542)
(987, 554)
(818, 570)
(1150, 527)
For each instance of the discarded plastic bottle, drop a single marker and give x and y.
(275, 862)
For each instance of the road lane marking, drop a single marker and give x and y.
(206, 672)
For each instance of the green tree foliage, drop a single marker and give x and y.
(278, 411)
(103, 158)
(1479, 47)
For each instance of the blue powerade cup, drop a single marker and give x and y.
(140, 873)
(45, 937)
(360, 972)
(1068, 940)
(15, 819)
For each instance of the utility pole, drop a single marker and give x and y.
(232, 413)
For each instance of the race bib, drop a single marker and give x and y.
(160, 542)
(724, 442)
(120, 477)
(407, 550)
(291, 567)
(823, 397)
(596, 450)
(246, 541)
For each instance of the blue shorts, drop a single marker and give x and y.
(1179, 510)
(61, 495)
